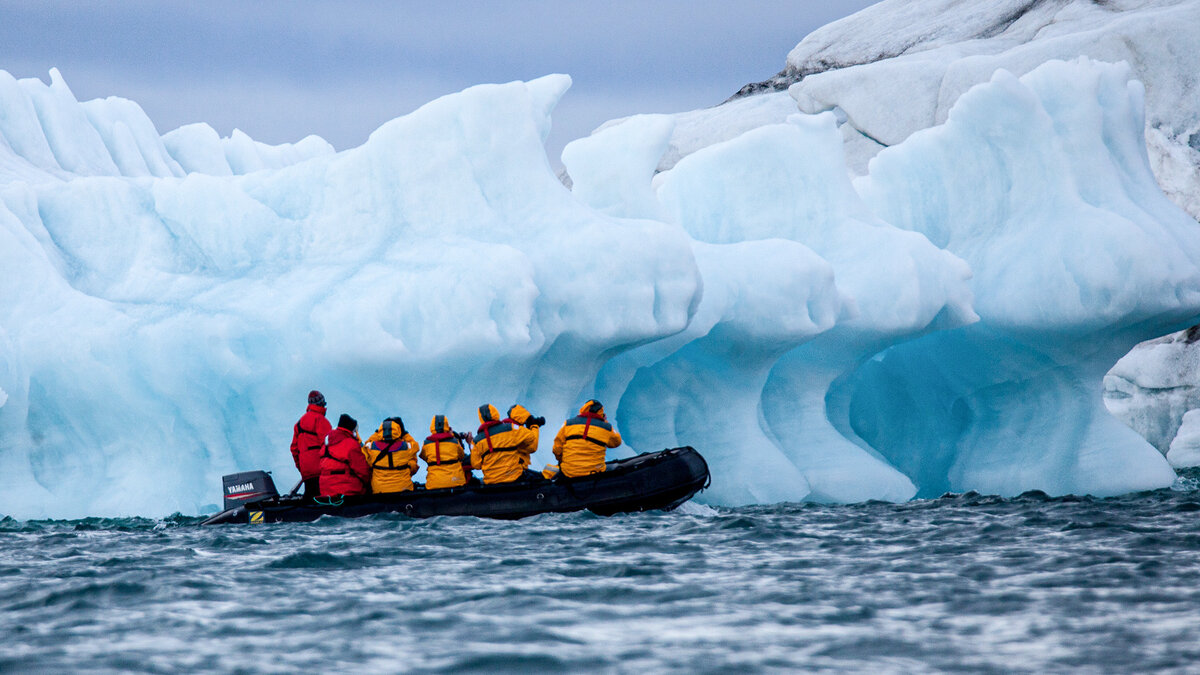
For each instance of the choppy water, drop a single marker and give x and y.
(964, 583)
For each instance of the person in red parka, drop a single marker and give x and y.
(308, 441)
(344, 469)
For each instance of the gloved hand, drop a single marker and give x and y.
(535, 422)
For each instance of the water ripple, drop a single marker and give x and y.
(965, 582)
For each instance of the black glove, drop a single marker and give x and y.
(535, 422)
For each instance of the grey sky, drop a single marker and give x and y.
(280, 70)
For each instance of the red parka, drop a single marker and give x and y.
(344, 469)
(308, 439)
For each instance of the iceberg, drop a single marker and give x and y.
(1043, 186)
(162, 331)
(941, 323)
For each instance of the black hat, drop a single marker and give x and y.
(347, 422)
(316, 398)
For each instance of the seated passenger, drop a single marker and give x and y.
(519, 415)
(344, 470)
(581, 444)
(502, 449)
(444, 456)
(392, 454)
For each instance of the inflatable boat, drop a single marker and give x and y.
(655, 480)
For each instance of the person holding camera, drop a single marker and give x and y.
(518, 415)
(503, 448)
(447, 462)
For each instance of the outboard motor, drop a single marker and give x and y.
(247, 487)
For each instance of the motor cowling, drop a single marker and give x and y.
(247, 487)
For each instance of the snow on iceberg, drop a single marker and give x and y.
(1042, 184)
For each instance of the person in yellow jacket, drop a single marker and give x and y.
(582, 442)
(520, 416)
(447, 463)
(502, 449)
(391, 453)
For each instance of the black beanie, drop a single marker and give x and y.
(347, 422)
(316, 398)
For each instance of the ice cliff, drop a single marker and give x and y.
(941, 324)
(899, 66)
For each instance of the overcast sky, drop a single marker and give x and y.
(280, 70)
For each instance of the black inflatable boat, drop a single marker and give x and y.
(654, 480)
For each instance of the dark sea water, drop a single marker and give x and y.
(964, 583)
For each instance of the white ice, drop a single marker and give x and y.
(1153, 386)
(1185, 447)
(698, 129)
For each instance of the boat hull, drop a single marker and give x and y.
(651, 481)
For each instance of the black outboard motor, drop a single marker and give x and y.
(247, 487)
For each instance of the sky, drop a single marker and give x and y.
(281, 70)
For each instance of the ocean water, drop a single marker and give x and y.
(961, 583)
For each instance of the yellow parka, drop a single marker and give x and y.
(391, 453)
(502, 449)
(444, 456)
(582, 442)
(524, 418)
